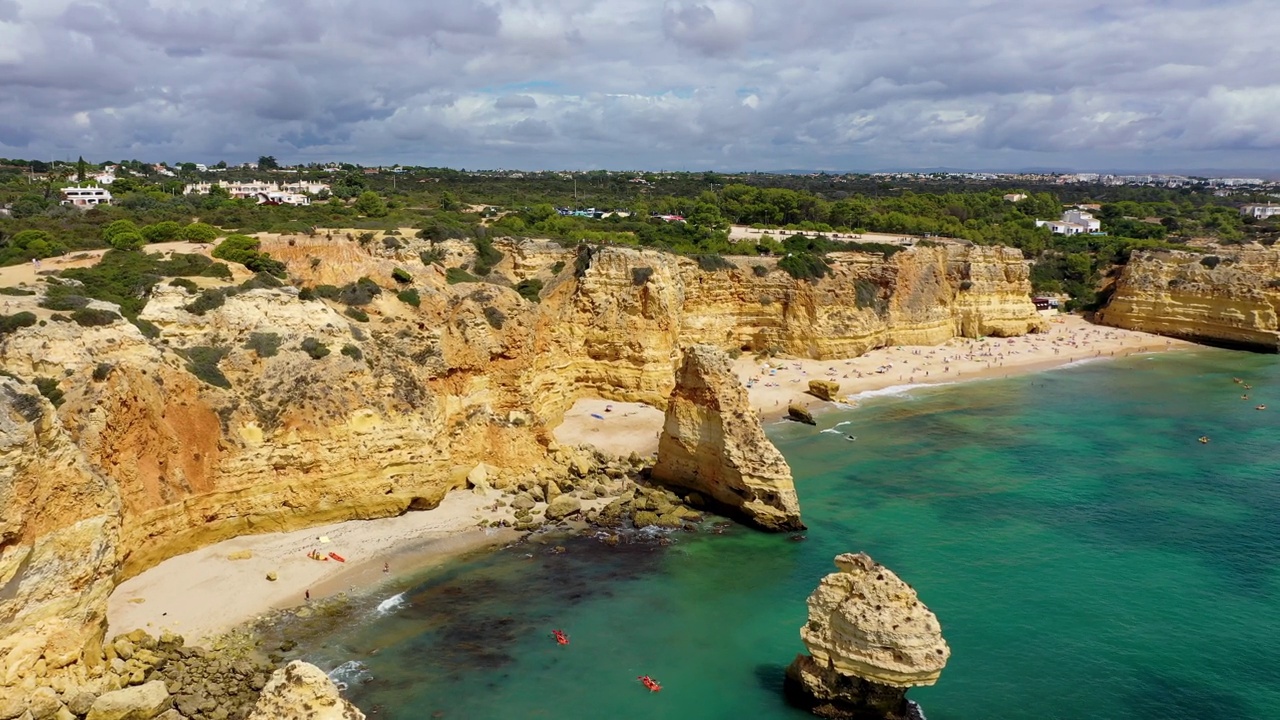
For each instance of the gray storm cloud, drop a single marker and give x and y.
(724, 84)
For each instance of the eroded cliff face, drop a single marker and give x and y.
(301, 691)
(226, 423)
(1229, 298)
(869, 639)
(712, 443)
(616, 327)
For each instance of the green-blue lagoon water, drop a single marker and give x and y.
(1086, 556)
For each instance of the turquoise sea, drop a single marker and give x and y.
(1086, 556)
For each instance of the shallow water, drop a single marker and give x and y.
(1086, 556)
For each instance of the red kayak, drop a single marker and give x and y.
(337, 557)
(650, 683)
(560, 637)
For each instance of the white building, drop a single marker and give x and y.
(295, 193)
(1073, 222)
(1261, 212)
(1015, 197)
(85, 197)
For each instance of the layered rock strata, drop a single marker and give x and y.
(271, 412)
(712, 443)
(1229, 298)
(869, 639)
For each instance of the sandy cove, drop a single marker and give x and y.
(206, 593)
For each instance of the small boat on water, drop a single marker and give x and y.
(650, 683)
(560, 637)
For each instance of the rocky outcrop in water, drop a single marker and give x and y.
(1230, 298)
(301, 691)
(869, 639)
(713, 444)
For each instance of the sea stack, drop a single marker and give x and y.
(713, 443)
(869, 639)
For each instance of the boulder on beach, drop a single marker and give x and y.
(869, 639)
(563, 506)
(800, 414)
(827, 390)
(141, 702)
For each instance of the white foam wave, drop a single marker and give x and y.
(391, 604)
(895, 390)
(352, 672)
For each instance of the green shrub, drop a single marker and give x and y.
(202, 361)
(208, 300)
(495, 317)
(360, 292)
(15, 291)
(243, 249)
(352, 352)
(314, 348)
(102, 371)
(712, 263)
(261, 281)
(356, 314)
(185, 284)
(641, 275)
(328, 292)
(760, 270)
(409, 297)
(455, 275)
(48, 387)
(307, 293)
(264, 344)
(557, 267)
(401, 276)
(57, 317)
(64, 302)
(486, 255)
(199, 233)
(90, 317)
(10, 323)
(530, 289)
(867, 293)
(434, 256)
(123, 235)
(805, 266)
(166, 231)
(1210, 261)
(391, 243)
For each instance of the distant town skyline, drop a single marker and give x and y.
(1145, 86)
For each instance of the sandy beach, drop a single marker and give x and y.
(212, 590)
(776, 383)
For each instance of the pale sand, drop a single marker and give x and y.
(204, 593)
(773, 384)
(618, 428)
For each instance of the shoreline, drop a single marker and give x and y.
(217, 589)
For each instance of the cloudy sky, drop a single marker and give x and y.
(681, 84)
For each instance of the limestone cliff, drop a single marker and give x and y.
(301, 691)
(1230, 298)
(272, 412)
(616, 325)
(712, 443)
(869, 639)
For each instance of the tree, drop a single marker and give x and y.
(123, 235)
(187, 167)
(199, 233)
(370, 204)
(268, 162)
(166, 231)
(82, 169)
(222, 165)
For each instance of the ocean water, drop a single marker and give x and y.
(1086, 556)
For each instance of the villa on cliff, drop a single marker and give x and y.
(85, 197)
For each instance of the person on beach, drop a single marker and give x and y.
(308, 595)
(386, 568)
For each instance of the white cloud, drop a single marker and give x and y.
(631, 83)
